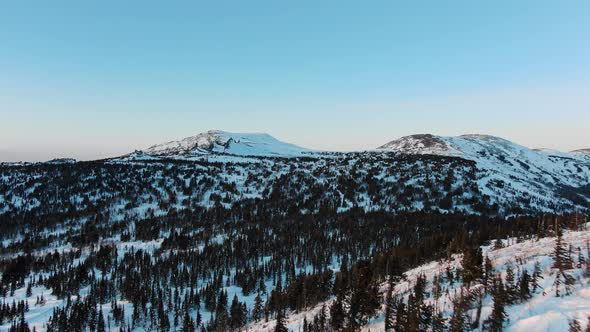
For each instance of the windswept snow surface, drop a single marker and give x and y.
(543, 312)
(217, 141)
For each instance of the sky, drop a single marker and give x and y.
(92, 79)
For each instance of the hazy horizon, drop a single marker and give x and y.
(90, 81)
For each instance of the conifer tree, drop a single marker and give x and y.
(281, 325)
(100, 324)
(237, 314)
(258, 309)
(574, 326)
(389, 310)
(495, 323)
(187, 323)
(561, 255)
(459, 319)
(198, 318)
(337, 313)
(438, 322)
(472, 265)
(510, 286)
(488, 271)
(537, 276)
(562, 262)
(524, 291)
(401, 318)
(29, 290)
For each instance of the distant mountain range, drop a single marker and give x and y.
(260, 144)
(469, 173)
(505, 171)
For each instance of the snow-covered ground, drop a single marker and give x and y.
(543, 312)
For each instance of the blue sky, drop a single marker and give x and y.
(91, 79)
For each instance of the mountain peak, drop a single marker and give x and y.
(581, 152)
(219, 141)
(420, 144)
(447, 145)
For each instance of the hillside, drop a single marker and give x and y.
(222, 232)
(542, 310)
(470, 173)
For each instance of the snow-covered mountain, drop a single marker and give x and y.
(470, 173)
(217, 141)
(421, 144)
(584, 152)
(470, 146)
(501, 160)
(193, 208)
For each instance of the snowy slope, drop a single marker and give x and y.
(473, 147)
(503, 163)
(542, 312)
(581, 152)
(216, 141)
(422, 144)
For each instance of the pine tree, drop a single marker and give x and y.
(537, 276)
(237, 316)
(29, 290)
(458, 322)
(472, 265)
(561, 256)
(562, 261)
(337, 314)
(258, 309)
(389, 311)
(364, 295)
(496, 320)
(510, 286)
(322, 320)
(401, 318)
(479, 296)
(438, 322)
(498, 244)
(221, 315)
(198, 318)
(187, 323)
(488, 271)
(100, 324)
(281, 324)
(574, 326)
(524, 291)
(23, 326)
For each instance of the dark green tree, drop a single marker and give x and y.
(495, 323)
(281, 325)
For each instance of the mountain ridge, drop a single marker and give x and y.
(218, 141)
(262, 144)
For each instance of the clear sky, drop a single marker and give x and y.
(90, 79)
